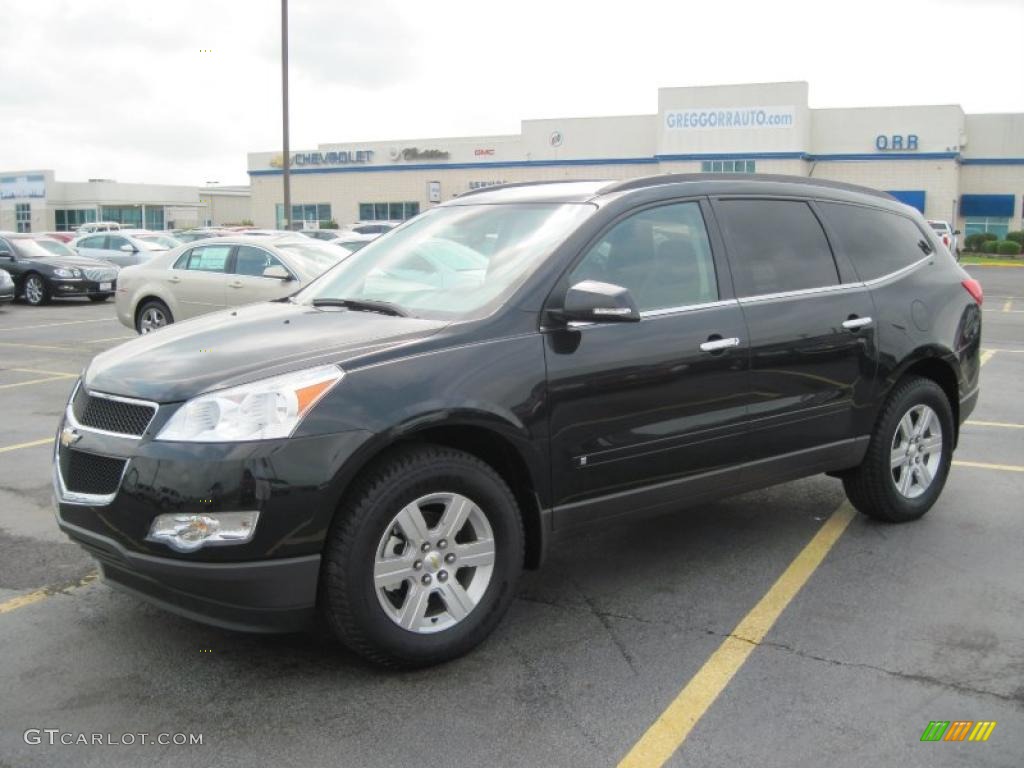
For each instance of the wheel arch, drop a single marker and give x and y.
(495, 445)
(939, 365)
(140, 303)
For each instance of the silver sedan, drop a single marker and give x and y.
(210, 275)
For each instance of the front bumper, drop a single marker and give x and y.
(268, 596)
(6, 295)
(266, 584)
(60, 287)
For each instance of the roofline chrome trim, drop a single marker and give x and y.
(899, 272)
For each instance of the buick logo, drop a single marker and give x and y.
(69, 437)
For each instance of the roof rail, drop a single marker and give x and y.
(676, 178)
(511, 184)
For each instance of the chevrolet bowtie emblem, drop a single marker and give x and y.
(69, 437)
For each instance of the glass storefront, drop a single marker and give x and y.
(70, 219)
(303, 212)
(388, 211)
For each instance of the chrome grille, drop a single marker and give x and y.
(90, 473)
(100, 274)
(98, 412)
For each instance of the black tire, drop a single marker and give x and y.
(148, 305)
(36, 299)
(349, 603)
(871, 487)
(99, 299)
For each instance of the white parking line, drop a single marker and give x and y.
(54, 325)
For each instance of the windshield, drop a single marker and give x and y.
(33, 249)
(163, 240)
(454, 262)
(312, 258)
(55, 247)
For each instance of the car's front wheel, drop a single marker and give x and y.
(37, 292)
(152, 316)
(423, 558)
(909, 455)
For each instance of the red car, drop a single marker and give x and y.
(64, 237)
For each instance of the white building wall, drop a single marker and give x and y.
(939, 178)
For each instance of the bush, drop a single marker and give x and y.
(973, 242)
(1017, 237)
(1008, 247)
(989, 246)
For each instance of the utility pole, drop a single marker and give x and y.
(287, 213)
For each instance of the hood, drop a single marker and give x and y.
(245, 344)
(67, 262)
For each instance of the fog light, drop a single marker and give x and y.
(187, 533)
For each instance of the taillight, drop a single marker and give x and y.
(945, 240)
(973, 287)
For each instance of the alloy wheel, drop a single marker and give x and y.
(434, 562)
(152, 319)
(916, 451)
(34, 290)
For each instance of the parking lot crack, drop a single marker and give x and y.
(1016, 699)
(605, 621)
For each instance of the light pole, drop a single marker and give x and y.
(286, 161)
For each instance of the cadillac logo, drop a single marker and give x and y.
(69, 437)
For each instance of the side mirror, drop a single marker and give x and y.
(128, 248)
(594, 302)
(277, 271)
(956, 231)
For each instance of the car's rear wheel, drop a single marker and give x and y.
(152, 316)
(423, 558)
(909, 455)
(37, 292)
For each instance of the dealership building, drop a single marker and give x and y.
(964, 168)
(35, 201)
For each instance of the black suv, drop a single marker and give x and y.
(391, 445)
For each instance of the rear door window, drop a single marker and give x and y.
(253, 261)
(207, 258)
(114, 242)
(775, 246)
(877, 242)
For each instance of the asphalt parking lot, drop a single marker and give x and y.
(896, 627)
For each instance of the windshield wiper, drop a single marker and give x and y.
(363, 305)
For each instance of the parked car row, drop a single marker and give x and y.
(43, 268)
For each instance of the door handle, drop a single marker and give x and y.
(174, 279)
(236, 284)
(717, 345)
(855, 323)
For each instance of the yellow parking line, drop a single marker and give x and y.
(36, 346)
(40, 370)
(1008, 305)
(982, 465)
(1004, 309)
(111, 338)
(1003, 424)
(40, 594)
(54, 325)
(986, 355)
(670, 730)
(44, 441)
(62, 377)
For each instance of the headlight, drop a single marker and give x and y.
(262, 410)
(61, 272)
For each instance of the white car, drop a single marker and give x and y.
(209, 275)
(950, 237)
(98, 226)
(120, 248)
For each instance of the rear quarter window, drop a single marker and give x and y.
(877, 242)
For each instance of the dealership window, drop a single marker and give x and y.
(128, 216)
(154, 217)
(728, 166)
(305, 212)
(997, 225)
(388, 211)
(23, 216)
(70, 219)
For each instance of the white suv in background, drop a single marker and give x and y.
(949, 236)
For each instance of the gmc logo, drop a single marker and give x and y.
(479, 152)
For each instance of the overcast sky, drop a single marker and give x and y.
(125, 90)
